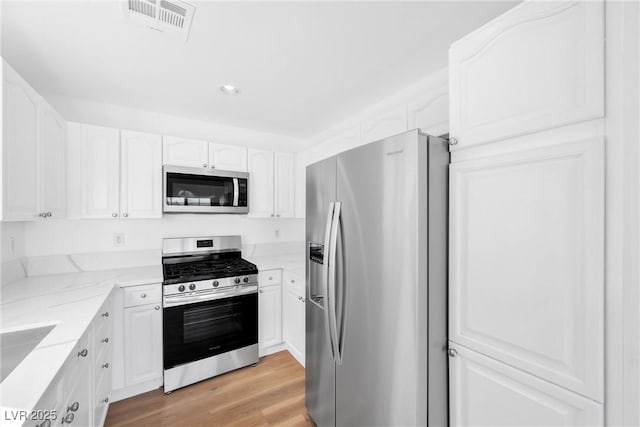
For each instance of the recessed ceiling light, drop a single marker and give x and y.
(229, 90)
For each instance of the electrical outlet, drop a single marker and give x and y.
(118, 239)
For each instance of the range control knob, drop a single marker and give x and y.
(245, 280)
(215, 283)
(192, 286)
(181, 288)
(237, 280)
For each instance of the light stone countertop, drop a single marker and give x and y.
(68, 301)
(293, 262)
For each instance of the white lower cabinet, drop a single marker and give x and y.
(137, 340)
(80, 392)
(293, 313)
(143, 343)
(269, 312)
(485, 392)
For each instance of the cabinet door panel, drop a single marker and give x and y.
(140, 175)
(300, 181)
(538, 66)
(284, 185)
(261, 183)
(185, 152)
(20, 128)
(270, 311)
(228, 157)
(485, 392)
(52, 164)
(143, 344)
(527, 261)
(94, 174)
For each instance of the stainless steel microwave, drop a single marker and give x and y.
(199, 190)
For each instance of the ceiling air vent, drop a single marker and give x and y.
(171, 16)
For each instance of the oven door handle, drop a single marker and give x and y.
(172, 301)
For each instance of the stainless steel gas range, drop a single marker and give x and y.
(210, 309)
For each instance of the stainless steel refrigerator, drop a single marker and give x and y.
(376, 284)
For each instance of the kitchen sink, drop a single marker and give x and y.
(16, 345)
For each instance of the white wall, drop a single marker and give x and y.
(84, 111)
(423, 105)
(58, 237)
(12, 236)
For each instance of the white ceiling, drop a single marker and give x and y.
(301, 66)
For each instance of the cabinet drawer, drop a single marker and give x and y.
(270, 277)
(141, 295)
(294, 281)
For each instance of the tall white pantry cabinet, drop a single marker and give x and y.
(526, 274)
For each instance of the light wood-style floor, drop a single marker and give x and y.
(269, 394)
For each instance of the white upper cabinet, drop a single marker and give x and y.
(185, 152)
(284, 182)
(140, 175)
(389, 123)
(261, 183)
(93, 171)
(526, 277)
(20, 136)
(227, 157)
(271, 184)
(485, 392)
(538, 66)
(52, 165)
(113, 174)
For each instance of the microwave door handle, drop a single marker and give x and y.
(236, 192)
(325, 277)
(331, 303)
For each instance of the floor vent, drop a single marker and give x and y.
(171, 16)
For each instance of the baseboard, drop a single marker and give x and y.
(296, 354)
(134, 390)
(273, 349)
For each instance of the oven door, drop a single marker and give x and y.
(205, 191)
(200, 330)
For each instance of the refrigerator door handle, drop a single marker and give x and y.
(326, 269)
(331, 303)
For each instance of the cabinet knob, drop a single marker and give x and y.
(49, 214)
(453, 141)
(157, 307)
(68, 418)
(42, 215)
(271, 215)
(126, 215)
(270, 278)
(204, 165)
(105, 400)
(106, 340)
(105, 314)
(45, 423)
(261, 291)
(115, 215)
(73, 407)
(293, 281)
(213, 167)
(452, 352)
(106, 365)
(143, 295)
(83, 353)
(278, 215)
